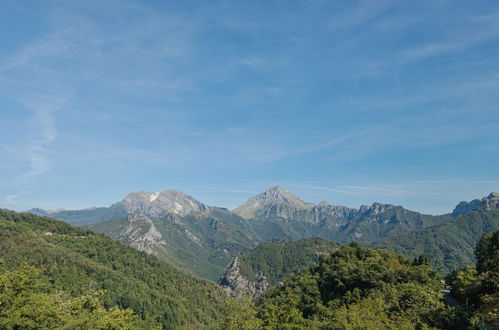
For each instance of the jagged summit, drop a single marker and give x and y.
(487, 203)
(273, 201)
(278, 202)
(154, 204)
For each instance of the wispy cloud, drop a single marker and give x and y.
(42, 131)
(360, 14)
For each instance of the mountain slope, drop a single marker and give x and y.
(449, 245)
(201, 243)
(141, 202)
(78, 259)
(274, 201)
(203, 239)
(270, 263)
(280, 216)
(354, 288)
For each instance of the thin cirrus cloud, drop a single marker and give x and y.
(133, 94)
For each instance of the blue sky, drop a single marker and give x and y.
(346, 101)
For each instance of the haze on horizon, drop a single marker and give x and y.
(353, 103)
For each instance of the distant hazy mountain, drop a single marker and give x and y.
(204, 239)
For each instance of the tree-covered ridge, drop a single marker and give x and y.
(77, 259)
(450, 245)
(277, 260)
(353, 288)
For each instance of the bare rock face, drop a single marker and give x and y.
(236, 285)
(275, 201)
(157, 204)
(487, 203)
(140, 232)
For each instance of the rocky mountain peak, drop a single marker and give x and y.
(155, 204)
(493, 195)
(487, 203)
(277, 194)
(374, 209)
(273, 202)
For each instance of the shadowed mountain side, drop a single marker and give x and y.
(449, 245)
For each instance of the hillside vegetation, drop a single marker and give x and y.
(354, 288)
(450, 245)
(79, 261)
(478, 287)
(277, 260)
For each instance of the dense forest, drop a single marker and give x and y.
(82, 263)
(57, 276)
(277, 260)
(362, 288)
(450, 245)
(477, 287)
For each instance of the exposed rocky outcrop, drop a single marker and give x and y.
(140, 232)
(235, 284)
(157, 204)
(487, 203)
(273, 202)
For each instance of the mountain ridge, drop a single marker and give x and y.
(486, 203)
(203, 239)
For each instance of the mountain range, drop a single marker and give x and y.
(204, 239)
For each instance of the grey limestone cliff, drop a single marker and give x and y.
(235, 284)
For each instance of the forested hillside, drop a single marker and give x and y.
(278, 260)
(270, 263)
(354, 288)
(79, 261)
(449, 245)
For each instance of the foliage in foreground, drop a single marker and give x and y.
(354, 288)
(29, 303)
(77, 261)
(478, 287)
